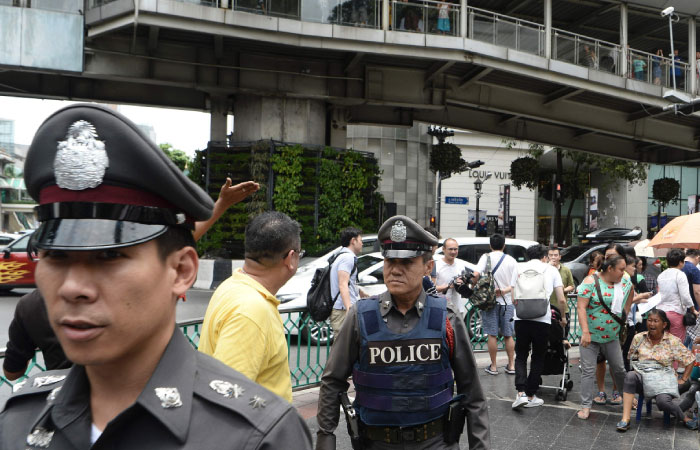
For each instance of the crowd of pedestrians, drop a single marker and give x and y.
(613, 330)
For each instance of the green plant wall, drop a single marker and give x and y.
(324, 189)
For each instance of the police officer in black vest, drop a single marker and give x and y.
(115, 252)
(405, 351)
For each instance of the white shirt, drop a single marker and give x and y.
(674, 290)
(446, 273)
(505, 276)
(552, 279)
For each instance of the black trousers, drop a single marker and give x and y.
(530, 335)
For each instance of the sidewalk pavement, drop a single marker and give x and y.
(554, 425)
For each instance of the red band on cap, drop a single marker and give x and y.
(103, 194)
(389, 241)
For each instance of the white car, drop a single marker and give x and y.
(292, 295)
(471, 248)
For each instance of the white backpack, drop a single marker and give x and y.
(530, 294)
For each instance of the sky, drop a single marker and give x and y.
(184, 130)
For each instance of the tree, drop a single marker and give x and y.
(573, 182)
(664, 191)
(179, 157)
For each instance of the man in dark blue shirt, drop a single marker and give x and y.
(692, 257)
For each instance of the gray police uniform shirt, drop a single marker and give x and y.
(214, 407)
(346, 350)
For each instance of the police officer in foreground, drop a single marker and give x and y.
(405, 351)
(115, 252)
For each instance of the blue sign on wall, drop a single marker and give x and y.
(457, 200)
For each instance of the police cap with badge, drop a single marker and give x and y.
(402, 237)
(101, 183)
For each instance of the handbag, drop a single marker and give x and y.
(621, 321)
(656, 378)
(689, 318)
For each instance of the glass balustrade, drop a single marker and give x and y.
(278, 8)
(354, 13)
(658, 69)
(585, 51)
(431, 17)
(497, 29)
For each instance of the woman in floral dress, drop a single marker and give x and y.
(599, 330)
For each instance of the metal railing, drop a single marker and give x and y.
(278, 8)
(66, 6)
(426, 16)
(353, 13)
(308, 343)
(658, 69)
(479, 339)
(506, 31)
(586, 51)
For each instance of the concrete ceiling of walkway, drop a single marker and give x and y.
(600, 19)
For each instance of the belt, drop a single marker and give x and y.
(397, 435)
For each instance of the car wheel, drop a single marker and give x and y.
(316, 333)
(473, 322)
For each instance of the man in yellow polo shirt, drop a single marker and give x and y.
(242, 327)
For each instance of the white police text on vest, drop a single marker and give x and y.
(401, 352)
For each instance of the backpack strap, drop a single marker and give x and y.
(497, 265)
(493, 272)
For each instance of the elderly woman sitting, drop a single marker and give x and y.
(659, 345)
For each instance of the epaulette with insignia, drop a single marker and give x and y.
(45, 383)
(220, 384)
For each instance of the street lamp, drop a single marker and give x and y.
(478, 184)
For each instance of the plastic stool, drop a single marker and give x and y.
(640, 402)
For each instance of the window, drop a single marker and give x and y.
(20, 244)
(365, 262)
(516, 252)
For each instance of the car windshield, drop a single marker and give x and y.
(571, 253)
(365, 261)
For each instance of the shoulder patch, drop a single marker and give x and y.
(39, 384)
(219, 384)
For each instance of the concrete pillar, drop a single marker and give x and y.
(386, 20)
(463, 18)
(219, 107)
(692, 48)
(339, 127)
(547, 29)
(293, 120)
(624, 31)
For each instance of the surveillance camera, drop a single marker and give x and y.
(667, 11)
(488, 175)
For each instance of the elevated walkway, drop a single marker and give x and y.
(390, 63)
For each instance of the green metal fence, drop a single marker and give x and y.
(479, 339)
(309, 344)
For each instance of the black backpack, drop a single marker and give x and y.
(319, 301)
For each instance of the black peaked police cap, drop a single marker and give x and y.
(402, 237)
(101, 183)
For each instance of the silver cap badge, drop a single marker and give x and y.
(40, 437)
(398, 231)
(81, 160)
(226, 389)
(47, 380)
(257, 402)
(169, 397)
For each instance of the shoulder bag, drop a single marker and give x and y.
(656, 378)
(621, 321)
